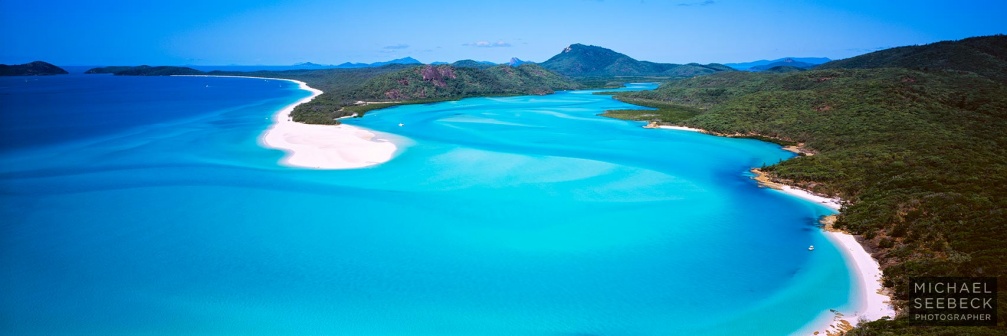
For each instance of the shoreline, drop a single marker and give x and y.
(874, 302)
(321, 146)
(762, 178)
(682, 128)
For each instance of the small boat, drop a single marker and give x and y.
(811, 248)
(401, 124)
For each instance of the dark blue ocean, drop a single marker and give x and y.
(146, 205)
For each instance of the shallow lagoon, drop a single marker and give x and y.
(501, 216)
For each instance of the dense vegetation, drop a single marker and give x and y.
(580, 60)
(340, 89)
(918, 153)
(37, 68)
(427, 83)
(985, 55)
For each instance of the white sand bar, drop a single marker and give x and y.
(681, 128)
(325, 146)
(831, 203)
(322, 146)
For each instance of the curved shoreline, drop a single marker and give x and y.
(874, 303)
(321, 146)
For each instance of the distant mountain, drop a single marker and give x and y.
(984, 55)
(789, 62)
(765, 64)
(514, 61)
(472, 64)
(785, 69)
(145, 70)
(580, 60)
(37, 68)
(405, 60)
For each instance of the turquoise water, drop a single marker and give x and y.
(500, 216)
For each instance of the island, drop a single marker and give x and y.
(144, 70)
(37, 68)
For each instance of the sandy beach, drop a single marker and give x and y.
(874, 303)
(322, 146)
(682, 128)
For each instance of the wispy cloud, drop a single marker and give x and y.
(396, 47)
(486, 44)
(699, 3)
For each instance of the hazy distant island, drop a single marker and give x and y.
(144, 70)
(37, 68)
(763, 65)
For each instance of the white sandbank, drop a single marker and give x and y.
(681, 128)
(831, 203)
(323, 146)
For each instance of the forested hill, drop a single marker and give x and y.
(430, 83)
(444, 81)
(919, 153)
(37, 68)
(580, 60)
(984, 55)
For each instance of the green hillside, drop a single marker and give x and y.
(580, 60)
(340, 88)
(984, 55)
(448, 82)
(425, 84)
(918, 153)
(387, 85)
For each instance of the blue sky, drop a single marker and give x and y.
(281, 32)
